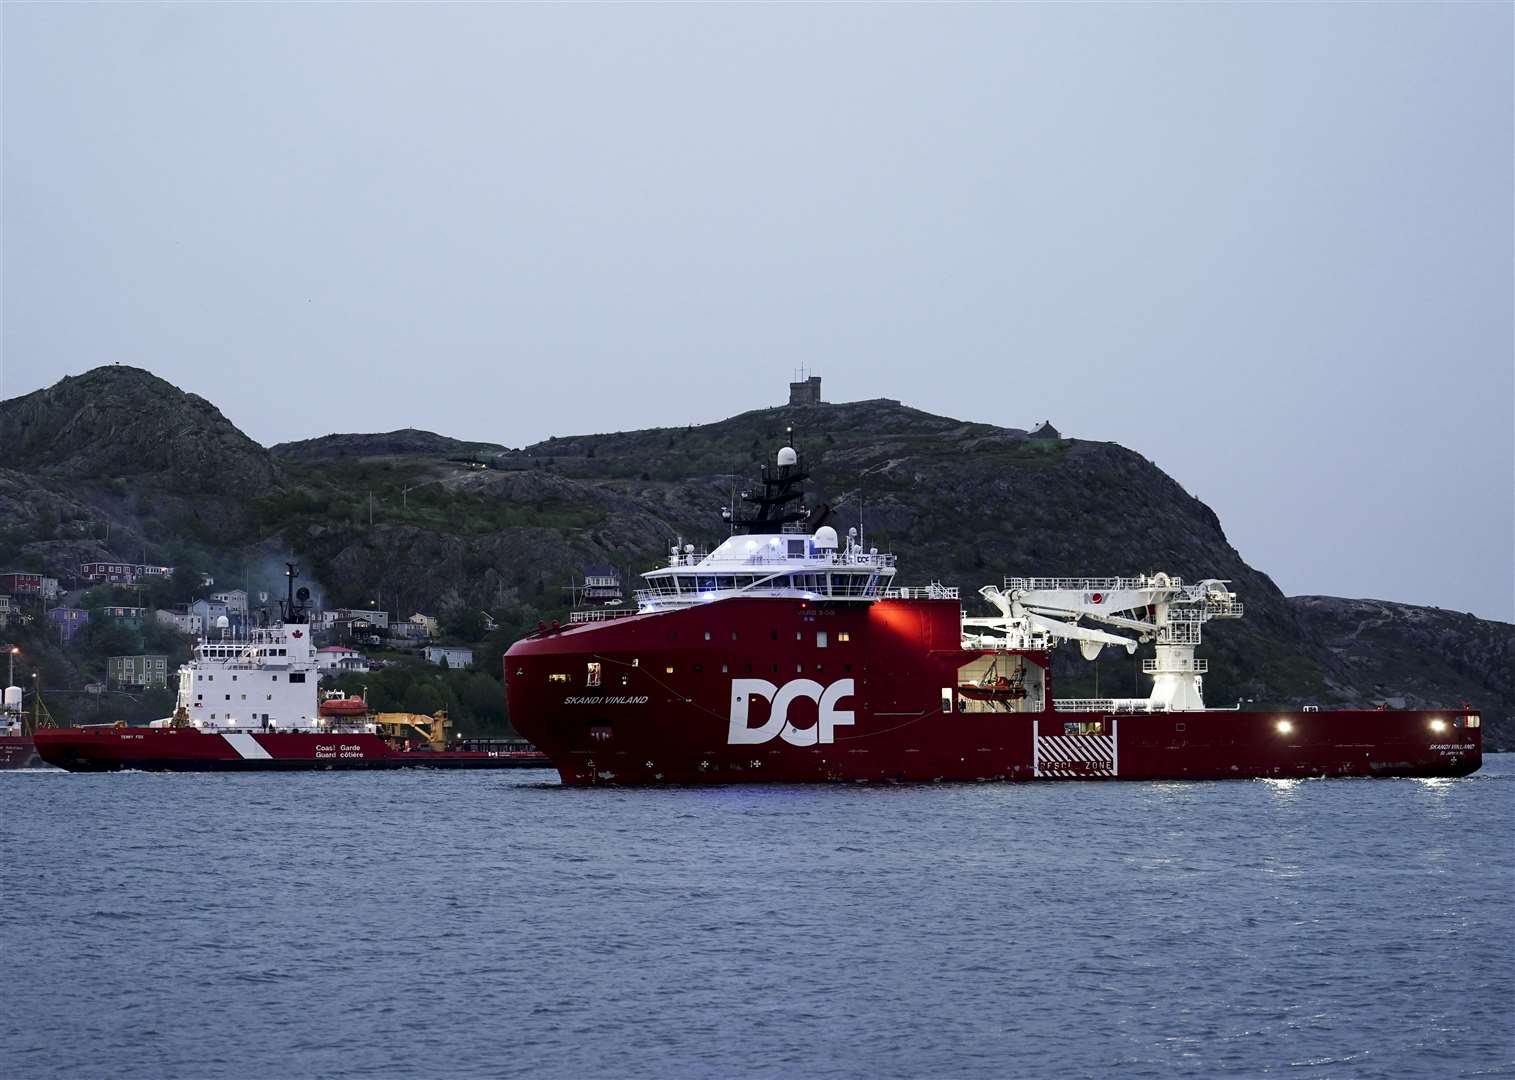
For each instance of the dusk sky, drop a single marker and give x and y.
(1268, 246)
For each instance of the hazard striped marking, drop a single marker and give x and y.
(1073, 756)
(247, 746)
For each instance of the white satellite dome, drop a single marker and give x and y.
(787, 456)
(222, 622)
(825, 537)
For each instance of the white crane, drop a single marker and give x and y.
(1034, 613)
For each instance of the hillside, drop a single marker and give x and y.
(419, 521)
(388, 443)
(1411, 657)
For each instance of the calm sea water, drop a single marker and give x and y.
(482, 925)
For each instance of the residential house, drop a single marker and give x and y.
(181, 619)
(66, 622)
(456, 656)
(490, 626)
(602, 586)
(19, 583)
(208, 611)
(126, 616)
(426, 626)
(330, 618)
(5, 610)
(340, 658)
(122, 573)
(236, 604)
(137, 671)
(50, 589)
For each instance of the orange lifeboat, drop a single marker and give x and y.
(343, 707)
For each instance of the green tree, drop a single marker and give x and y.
(484, 700)
(424, 698)
(465, 624)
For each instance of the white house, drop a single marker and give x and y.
(332, 616)
(182, 620)
(455, 655)
(426, 623)
(235, 601)
(340, 658)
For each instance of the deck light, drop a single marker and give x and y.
(1284, 727)
(1438, 725)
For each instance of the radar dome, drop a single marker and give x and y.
(13, 698)
(825, 537)
(787, 456)
(222, 622)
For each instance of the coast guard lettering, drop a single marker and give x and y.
(823, 731)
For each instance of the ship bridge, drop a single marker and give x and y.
(808, 566)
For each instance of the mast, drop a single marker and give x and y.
(781, 501)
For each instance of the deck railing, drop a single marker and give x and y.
(598, 615)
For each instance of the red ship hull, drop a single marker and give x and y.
(869, 692)
(190, 750)
(18, 752)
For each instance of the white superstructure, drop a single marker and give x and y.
(792, 563)
(265, 679)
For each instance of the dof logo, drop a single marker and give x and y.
(828, 716)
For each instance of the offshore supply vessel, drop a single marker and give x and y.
(251, 704)
(788, 654)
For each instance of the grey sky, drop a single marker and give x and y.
(1268, 246)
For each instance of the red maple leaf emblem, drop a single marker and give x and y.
(297, 633)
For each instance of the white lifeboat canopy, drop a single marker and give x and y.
(787, 456)
(824, 538)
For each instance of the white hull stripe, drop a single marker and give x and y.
(248, 747)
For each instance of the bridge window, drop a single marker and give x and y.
(668, 670)
(557, 677)
(843, 635)
(592, 676)
(820, 639)
(946, 699)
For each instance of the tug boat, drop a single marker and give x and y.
(250, 704)
(789, 655)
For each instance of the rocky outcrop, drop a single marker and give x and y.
(123, 422)
(1381, 652)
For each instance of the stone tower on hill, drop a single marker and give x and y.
(806, 392)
